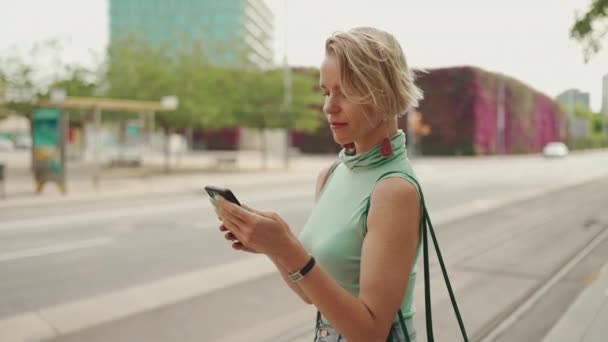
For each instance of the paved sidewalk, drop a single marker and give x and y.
(587, 318)
(191, 174)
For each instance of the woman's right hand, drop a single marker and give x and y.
(236, 244)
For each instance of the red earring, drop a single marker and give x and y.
(387, 149)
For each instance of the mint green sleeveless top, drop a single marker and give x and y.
(337, 225)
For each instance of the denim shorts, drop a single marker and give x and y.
(327, 333)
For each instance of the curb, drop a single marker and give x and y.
(68, 318)
(183, 186)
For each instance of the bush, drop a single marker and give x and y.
(594, 141)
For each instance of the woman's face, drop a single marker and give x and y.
(348, 121)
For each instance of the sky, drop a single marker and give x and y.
(525, 39)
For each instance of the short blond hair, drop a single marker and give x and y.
(374, 71)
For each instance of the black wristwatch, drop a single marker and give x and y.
(299, 275)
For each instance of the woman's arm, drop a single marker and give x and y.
(292, 285)
(284, 273)
(387, 257)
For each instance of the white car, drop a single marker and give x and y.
(555, 149)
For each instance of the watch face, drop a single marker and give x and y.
(299, 275)
(296, 276)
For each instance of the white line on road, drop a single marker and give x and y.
(536, 296)
(71, 317)
(54, 249)
(117, 213)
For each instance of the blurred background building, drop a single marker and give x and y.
(238, 30)
(234, 33)
(572, 97)
(470, 111)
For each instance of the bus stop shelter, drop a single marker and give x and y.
(50, 125)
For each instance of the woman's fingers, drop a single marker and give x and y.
(236, 228)
(267, 214)
(240, 247)
(230, 209)
(259, 212)
(228, 217)
(232, 219)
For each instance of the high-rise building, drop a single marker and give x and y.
(572, 97)
(605, 95)
(234, 31)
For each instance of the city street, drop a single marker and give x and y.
(114, 121)
(502, 233)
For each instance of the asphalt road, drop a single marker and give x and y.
(57, 254)
(506, 259)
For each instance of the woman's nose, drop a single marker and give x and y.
(330, 106)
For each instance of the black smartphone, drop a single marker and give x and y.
(224, 192)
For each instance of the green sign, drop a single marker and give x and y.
(132, 130)
(46, 127)
(48, 132)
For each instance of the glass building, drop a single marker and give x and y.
(235, 32)
(573, 97)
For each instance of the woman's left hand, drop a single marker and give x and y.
(265, 232)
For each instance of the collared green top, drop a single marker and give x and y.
(337, 225)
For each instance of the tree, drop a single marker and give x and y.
(261, 100)
(21, 86)
(136, 71)
(77, 81)
(590, 28)
(595, 121)
(211, 96)
(307, 103)
(3, 108)
(28, 79)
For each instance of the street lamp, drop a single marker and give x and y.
(286, 93)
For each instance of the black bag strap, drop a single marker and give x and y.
(403, 327)
(427, 226)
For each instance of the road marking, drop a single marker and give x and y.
(55, 249)
(25, 327)
(100, 215)
(537, 295)
(117, 213)
(74, 316)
